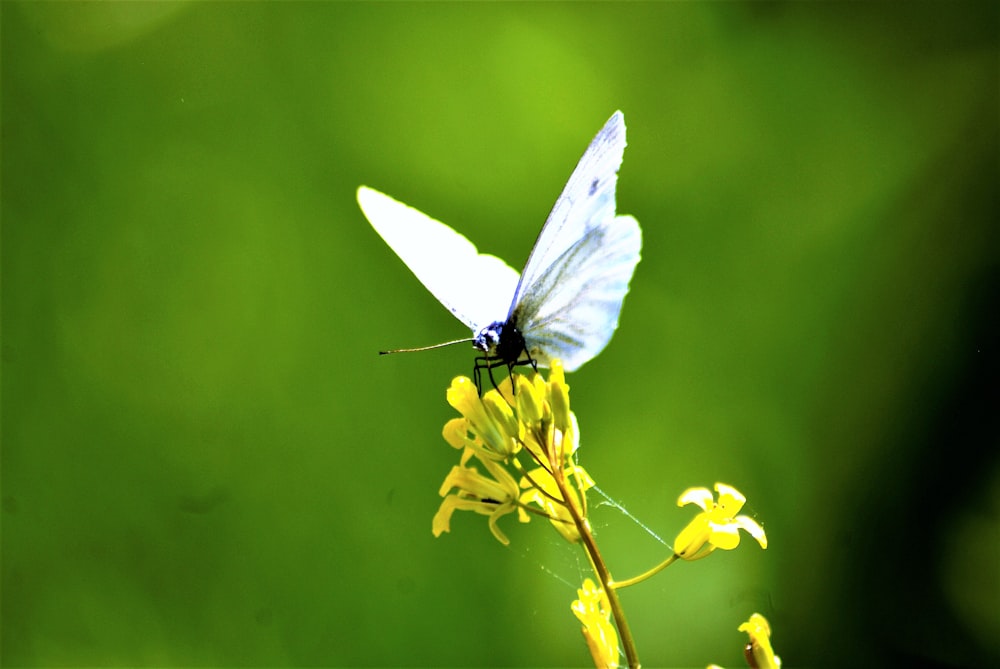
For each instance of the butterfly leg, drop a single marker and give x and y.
(489, 368)
(487, 363)
(477, 376)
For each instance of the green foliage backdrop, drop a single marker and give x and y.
(205, 463)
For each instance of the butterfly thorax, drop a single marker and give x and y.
(500, 341)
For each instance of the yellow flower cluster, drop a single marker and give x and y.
(517, 444)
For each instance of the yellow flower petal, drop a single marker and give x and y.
(726, 537)
(700, 496)
(530, 400)
(456, 432)
(501, 414)
(559, 396)
(753, 528)
(462, 395)
(731, 500)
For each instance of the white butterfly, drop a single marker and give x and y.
(566, 302)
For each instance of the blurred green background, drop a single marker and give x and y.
(205, 463)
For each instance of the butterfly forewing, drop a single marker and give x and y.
(475, 287)
(587, 200)
(572, 287)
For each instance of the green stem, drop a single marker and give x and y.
(618, 585)
(601, 569)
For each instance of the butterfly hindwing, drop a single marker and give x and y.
(572, 309)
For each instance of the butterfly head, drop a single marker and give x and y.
(502, 345)
(501, 341)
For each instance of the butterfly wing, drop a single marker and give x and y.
(570, 293)
(474, 286)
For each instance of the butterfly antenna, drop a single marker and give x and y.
(427, 348)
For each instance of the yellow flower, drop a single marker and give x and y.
(503, 428)
(758, 652)
(493, 497)
(488, 424)
(594, 611)
(717, 526)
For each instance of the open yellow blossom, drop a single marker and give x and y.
(594, 611)
(466, 489)
(717, 526)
